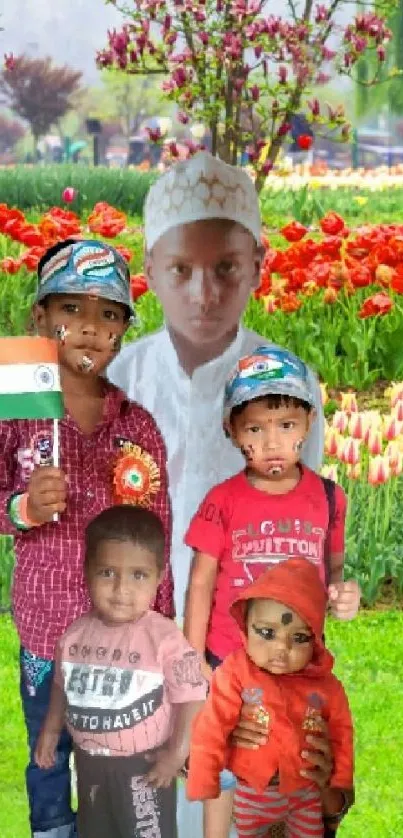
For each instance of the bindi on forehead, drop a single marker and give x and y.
(286, 618)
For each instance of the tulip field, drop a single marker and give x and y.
(333, 293)
(332, 290)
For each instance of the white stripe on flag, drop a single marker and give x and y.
(29, 378)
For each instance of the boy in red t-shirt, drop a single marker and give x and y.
(275, 509)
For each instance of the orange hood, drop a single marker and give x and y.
(296, 583)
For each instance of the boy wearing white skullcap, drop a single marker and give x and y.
(203, 258)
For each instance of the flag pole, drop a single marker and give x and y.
(56, 454)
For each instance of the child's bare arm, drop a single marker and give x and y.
(172, 757)
(344, 597)
(336, 567)
(199, 598)
(54, 722)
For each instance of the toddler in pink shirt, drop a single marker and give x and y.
(126, 683)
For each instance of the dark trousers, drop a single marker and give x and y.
(115, 800)
(49, 791)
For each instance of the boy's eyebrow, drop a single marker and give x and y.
(290, 414)
(113, 566)
(224, 255)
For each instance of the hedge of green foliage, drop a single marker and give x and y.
(41, 187)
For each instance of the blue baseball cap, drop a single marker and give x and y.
(88, 267)
(268, 371)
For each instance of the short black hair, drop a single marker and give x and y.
(125, 523)
(273, 401)
(52, 251)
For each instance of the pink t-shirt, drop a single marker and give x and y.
(246, 530)
(121, 681)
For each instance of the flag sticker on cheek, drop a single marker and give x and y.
(247, 451)
(115, 342)
(61, 332)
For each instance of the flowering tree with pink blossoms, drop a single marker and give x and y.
(242, 70)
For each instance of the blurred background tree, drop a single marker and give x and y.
(38, 91)
(243, 70)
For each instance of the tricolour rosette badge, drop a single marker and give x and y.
(136, 476)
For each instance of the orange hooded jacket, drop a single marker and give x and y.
(291, 700)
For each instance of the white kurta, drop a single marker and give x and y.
(189, 411)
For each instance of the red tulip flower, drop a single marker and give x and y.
(332, 439)
(332, 224)
(378, 470)
(125, 252)
(377, 304)
(294, 231)
(69, 194)
(375, 442)
(350, 452)
(398, 411)
(392, 428)
(10, 265)
(138, 285)
(304, 142)
(397, 281)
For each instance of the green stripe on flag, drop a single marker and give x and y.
(44, 405)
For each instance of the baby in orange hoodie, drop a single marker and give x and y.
(285, 671)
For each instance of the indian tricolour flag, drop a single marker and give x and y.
(29, 379)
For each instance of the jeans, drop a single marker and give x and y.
(49, 790)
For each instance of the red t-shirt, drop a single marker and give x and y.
(246, 529)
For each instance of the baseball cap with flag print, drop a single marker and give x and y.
(85, 266)
(268, 371)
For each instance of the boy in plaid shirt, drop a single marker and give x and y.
(111, 452)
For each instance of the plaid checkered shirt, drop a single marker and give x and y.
(49, 590)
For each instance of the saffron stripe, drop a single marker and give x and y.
(28, 351)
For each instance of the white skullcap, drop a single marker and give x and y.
(199, 189)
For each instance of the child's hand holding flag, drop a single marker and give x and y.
(30, 389)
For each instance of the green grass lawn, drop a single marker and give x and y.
(370, 663)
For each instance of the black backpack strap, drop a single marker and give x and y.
(330, 492)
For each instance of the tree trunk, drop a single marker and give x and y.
(36, 138)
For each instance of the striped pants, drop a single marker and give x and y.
(255, 812)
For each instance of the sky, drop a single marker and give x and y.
(70, 31)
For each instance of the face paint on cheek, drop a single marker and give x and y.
(298, 445)
(248, 452)
(115, 342)
(60, 333)
(286, 618)
(86, 364)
